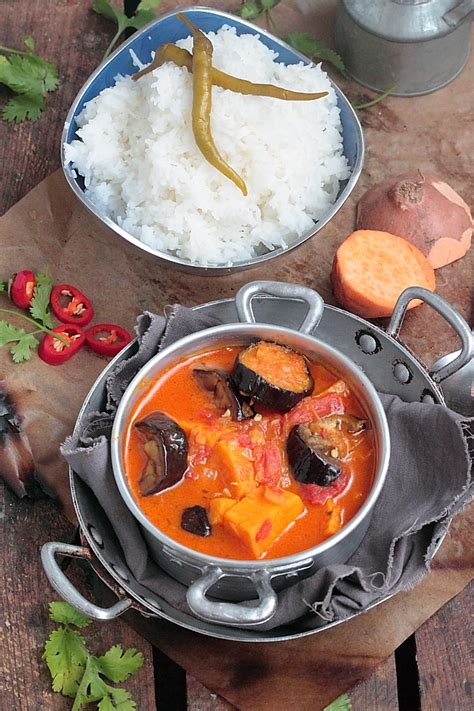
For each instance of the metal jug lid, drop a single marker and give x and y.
(408, 20)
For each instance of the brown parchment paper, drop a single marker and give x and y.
(49, 228)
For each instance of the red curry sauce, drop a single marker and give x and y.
(177, 394)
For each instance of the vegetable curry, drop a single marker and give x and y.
(216, 470)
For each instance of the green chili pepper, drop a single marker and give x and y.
(183, 58)
(202, 104)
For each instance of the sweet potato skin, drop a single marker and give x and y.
(422, 209)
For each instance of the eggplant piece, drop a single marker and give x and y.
(218, 385)
(309, 463)
(194, 520)
(167, 449)
(273, 375)
(17, 466)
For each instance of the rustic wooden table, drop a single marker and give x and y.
(427, 672)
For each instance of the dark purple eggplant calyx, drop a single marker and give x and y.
(194, 520)
(17, 466)
(308, 460)
(166, 447)
(218, 385)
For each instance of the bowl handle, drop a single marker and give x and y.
(229, 613)
(449, 313)
(66, 589)
(244, 296)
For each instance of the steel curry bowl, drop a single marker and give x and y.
(239, 580)
(168, 28)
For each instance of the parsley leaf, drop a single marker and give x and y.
(64, 613)
(315, 49)
(39, 305)
(66, 655)
(142, 16)
(29, 76)
(117, 665)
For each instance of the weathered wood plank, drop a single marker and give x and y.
(201, 699)
(379, 691)
(445, 656)
(25, 683)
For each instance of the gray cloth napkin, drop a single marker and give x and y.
(428, 481)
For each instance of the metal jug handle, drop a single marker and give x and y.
(230, 613)
(244, 296)
(66, 589)
(458, 14)
(448, 312)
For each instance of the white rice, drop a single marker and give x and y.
(142, 167)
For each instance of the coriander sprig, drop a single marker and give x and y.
(30, 77)
(77, 673)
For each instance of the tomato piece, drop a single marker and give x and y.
(268, 464)
(314, 494)
(22, 287)
(107, 339)
(70, 305)
(314, 407)
(54, 351)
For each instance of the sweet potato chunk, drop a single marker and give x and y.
(258, 522)
(236, 469)
(218, 507)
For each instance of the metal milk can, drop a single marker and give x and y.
(419, 45)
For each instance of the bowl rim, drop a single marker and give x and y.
(377, 414)
(216, 269)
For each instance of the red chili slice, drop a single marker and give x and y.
(70, 305)
(107, 339)
(22, 286)
(54, 352)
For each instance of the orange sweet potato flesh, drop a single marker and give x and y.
(372, 268)
(258, 522)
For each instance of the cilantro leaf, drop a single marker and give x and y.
(21, 351)
(66, 655)
(30, 42)
(249, 10)
(23, 107)
(24, 342)
(94, 688)
(29, 76)
(142, 16)
(315, 49)
(10, 333)
(342, 703)
(62, 612)
(39, 305)
(117, 665)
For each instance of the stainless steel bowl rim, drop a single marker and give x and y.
(227, 330)
(216, 269)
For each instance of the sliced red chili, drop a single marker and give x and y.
(54, 351)
(22, 286)
(70, 305)
(107, 339)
